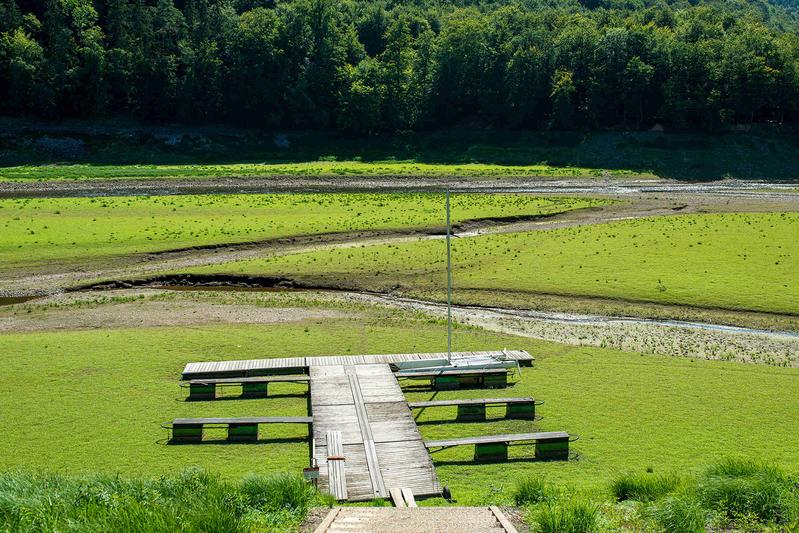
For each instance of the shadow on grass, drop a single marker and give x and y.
(225, 442)
(429, 388)
(487, 420)
(765, 153)
(472, 462)
(573, 456)
(230, 398)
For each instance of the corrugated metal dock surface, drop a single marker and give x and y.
(254, 367)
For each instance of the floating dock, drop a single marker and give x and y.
(364, 439)
(302, 365)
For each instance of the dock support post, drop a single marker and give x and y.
(202, 391)
(495, 381)
(187, 433)
(242, 432)
(470, 381)
(552, 449)
(476, 413)
(254, 390)
(495, 451)
(523, 411)
(446, 383)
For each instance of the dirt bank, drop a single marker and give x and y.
(139, 307)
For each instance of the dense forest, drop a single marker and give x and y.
(375, 65)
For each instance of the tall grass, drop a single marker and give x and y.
(676, 514)
(747, 488)
(568, 517)
(643, 487)
(190, 501)
(529, 490)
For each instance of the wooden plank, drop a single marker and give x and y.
(453, 372)
(328, 521)
(396, 497)
(337, 478)
(497, 438)
(407, 464)
(246, 420)
(391, 422)
(376, 476)
(254, 379)
(503, 520)
(251, 367)
(471, 401)
(341, 418)
(407, 495)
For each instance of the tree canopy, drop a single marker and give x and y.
(377, 65)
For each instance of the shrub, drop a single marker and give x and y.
(744, 488)
(679, 515)
(643, 487)
(570, 517)
(530, 490)
(191, 501)
(278, 492)
(741, 467)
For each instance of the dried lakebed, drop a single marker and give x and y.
(751, 189)
(227, 304)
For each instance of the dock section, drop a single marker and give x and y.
(381, 447)
(301, 365)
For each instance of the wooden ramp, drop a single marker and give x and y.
(379, 441)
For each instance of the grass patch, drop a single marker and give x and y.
(305, 170)
(279, 492)
(643, 487)
(191, 501)
(742, 489)
(730, 261)
(573, 516)
(679, 514)
(62, 229)
(92, 401)
(531, 490)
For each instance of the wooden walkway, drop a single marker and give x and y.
(301, 365)
(381, 445)
(358, 407)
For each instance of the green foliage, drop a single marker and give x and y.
(679, 514)
(191, 501)
(643, 487)
(315, 63)
(60, 380)
(732, 261)
(574, 516)
(34, 230)
(741, 488)
(531, 489)
(278, 492)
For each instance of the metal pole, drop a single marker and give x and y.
(449, 287)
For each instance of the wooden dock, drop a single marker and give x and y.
(381, 447)
(301, 365)
(364, 440)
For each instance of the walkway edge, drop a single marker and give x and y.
(323, 527)
(502, 519)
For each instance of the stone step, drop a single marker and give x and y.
(414, 520)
